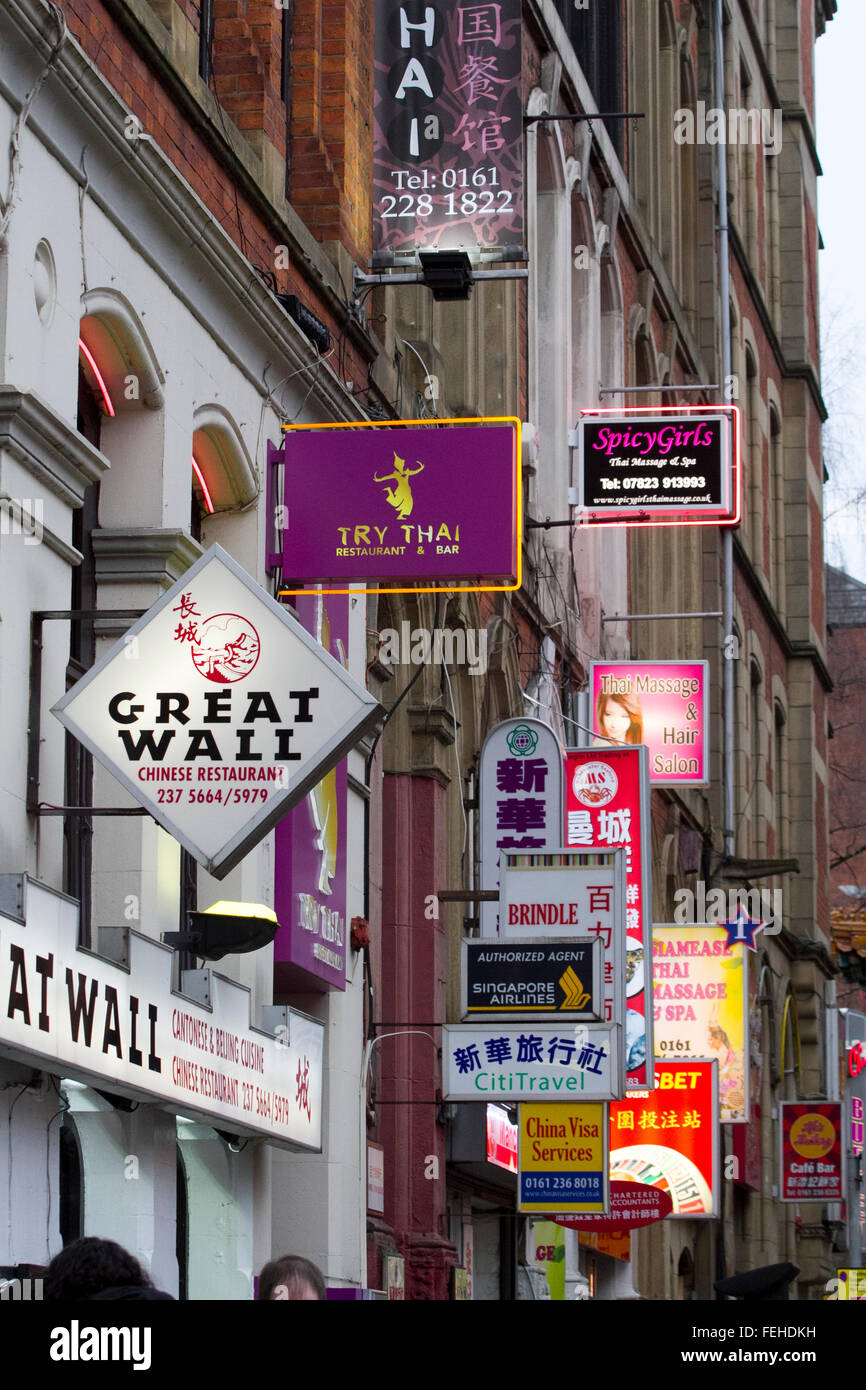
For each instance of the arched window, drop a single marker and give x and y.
(776, 530)
(753, 454)
(756, 767)
(780, 771)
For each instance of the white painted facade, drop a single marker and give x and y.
(103, 228)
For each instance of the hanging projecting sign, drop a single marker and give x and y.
(531, 1061)
(561, 979)
(562, 1158)
(310, 946)
(632, 1204)
(403, 504)
(125, 1029)
(854, 1118)
(810, 1134)
(664, 704)
(448, 129)
(607, 806)
(700, 1007)
(669, 1137)
(520, 799)
(678, 464)
(217, 711)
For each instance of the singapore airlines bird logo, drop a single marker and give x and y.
(400, 495)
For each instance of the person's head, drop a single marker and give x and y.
(619, 717)
(291, 1277)
(718, 1037)
(88, 1266)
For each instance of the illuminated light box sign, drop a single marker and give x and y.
(812, 1152)
(607, 808)
(562, 1159)
(559, 979)
(501, 1139)
(76, 1014)
(447, 128)
(310, 947)
(700, 1007)
(217, 711)
(403, 504)
(663, 704)
(520, 799)
(669, 1137)
(535, 1061)
(674, 465)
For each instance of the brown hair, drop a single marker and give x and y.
(293, 1271)
(632, 706)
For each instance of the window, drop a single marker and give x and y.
(596, 37)
(78, 788)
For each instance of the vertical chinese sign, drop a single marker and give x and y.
(520, 797)
(607, 807)
(310, 871)
(448, 129)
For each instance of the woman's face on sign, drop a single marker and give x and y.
(616, 720)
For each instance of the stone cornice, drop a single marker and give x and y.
(60, 458)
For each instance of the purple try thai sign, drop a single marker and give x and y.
(371, 503)
(448, 132)
(310, 850)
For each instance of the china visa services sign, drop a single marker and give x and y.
(217, 711)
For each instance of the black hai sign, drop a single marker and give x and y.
(538, 977)
(659, 468)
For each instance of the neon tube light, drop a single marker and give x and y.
(82, 347)
(198, 473)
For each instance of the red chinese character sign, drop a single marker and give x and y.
(669, 1137)
(520, 798)
(607, 807)
(811, 1138)
(448, 128)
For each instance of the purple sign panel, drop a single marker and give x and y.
(310, 848)
(410, 504)
(448, 128)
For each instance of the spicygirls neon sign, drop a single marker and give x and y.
(673, 466)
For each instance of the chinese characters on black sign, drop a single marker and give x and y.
(448, 132)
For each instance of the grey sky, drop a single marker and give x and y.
(842, 216)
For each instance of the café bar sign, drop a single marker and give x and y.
(403, 504)
(123, 1028)
(676, 465)
(447, 129)
(217, 711)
